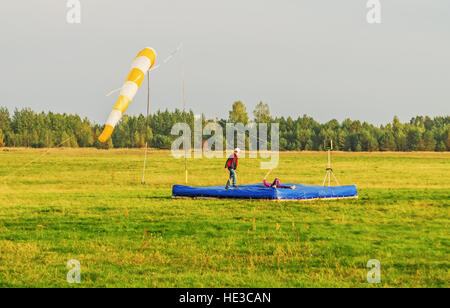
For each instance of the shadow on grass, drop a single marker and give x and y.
(157, 197)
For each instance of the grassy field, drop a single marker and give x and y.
(89, 205)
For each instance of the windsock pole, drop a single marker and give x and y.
(146, 126)
(184, 109)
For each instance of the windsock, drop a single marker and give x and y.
(142, 63)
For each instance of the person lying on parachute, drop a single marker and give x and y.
(231, 164)
(277, 184)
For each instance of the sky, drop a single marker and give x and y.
(314, 57)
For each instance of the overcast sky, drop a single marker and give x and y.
(313, 57)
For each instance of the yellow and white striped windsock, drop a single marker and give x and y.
(142, 63)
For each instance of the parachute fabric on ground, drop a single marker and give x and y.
(142, 63)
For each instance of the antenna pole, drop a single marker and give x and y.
(184, 112)
(146, 127)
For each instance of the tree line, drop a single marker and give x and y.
(26, 128)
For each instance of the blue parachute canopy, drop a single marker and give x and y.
(259, 191)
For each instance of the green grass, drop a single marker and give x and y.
(89, 205)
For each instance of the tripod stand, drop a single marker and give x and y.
(330, 172)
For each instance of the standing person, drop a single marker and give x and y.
(231, 164)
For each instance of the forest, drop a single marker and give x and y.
(27, 128)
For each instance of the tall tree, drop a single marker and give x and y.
(429, 143)
(413, 139)
(238, 114)
(447, 138)
(387, 142)
(2, 142)
(5, 121)
(262, 113)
